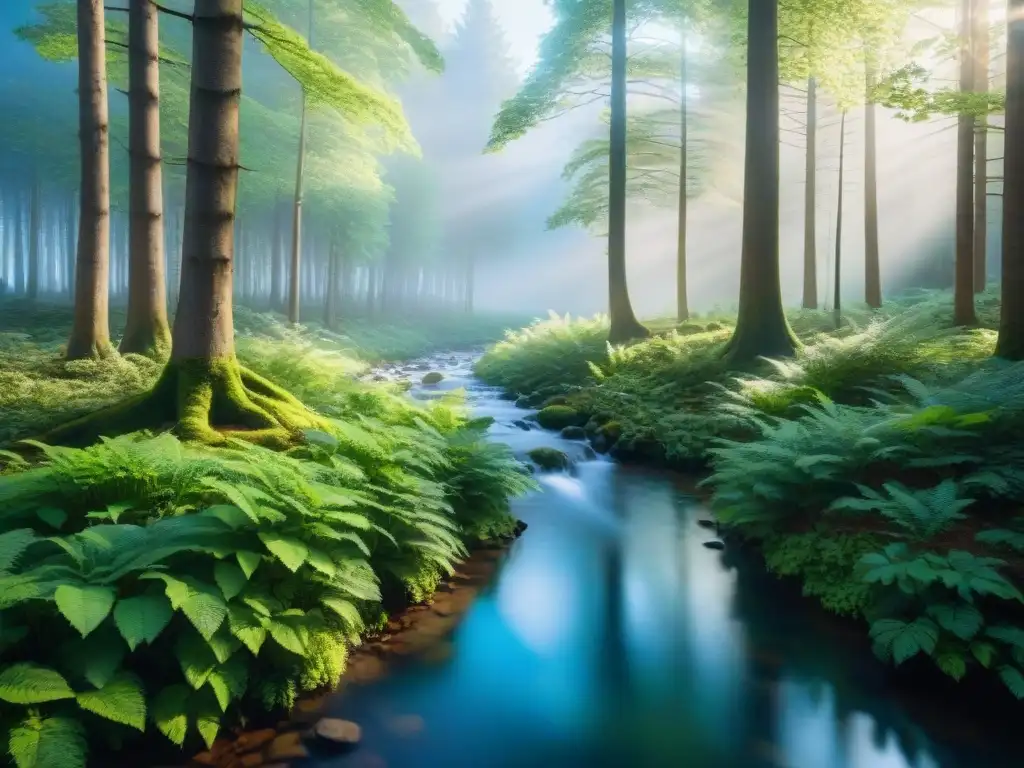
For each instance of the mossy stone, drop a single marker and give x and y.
(574, 433)
(558, 417)
(433, 378)
(549, 458)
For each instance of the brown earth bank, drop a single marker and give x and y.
(415, 633)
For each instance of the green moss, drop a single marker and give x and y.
(421, 583)
(549, 458)
(433, 378)
(689, 328)
(825, 564)
(558, 417)
(324, 664)
(612, 430)
(207, 401)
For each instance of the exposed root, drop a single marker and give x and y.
(203, 401)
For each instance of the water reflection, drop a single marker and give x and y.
(613, 639)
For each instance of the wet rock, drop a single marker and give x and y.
(556, 400)
(287, 746)
(523, 402)
(574, 433)
(520, 527)
(589, 453)
(508, 396)
(522, 424)
(714, 544)
(549, 458)
(707, 523)
(379, 377)
(339, 734)
(433, 378)
(558, 417)
(599, 443)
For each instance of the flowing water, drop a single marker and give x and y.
(613, 637)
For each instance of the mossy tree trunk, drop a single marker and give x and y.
(624, 325)
(1011, 322)
(980, 44)
(90, 329)
(761, 326)
(837, 283)
(872, 263)
(810, 295)
(146, 329)
(203, 393)
(963, 282)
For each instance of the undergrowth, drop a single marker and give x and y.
(179, 586)
(882, 465)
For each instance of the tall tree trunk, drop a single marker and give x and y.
(837, 278)
(963, 282)
(1011, 319)
(331, 292)
(810, 297)
(276, 260)
(761, 325)
(682, 304)
(872, 265)
(35, 231)
(470, 279)
(296, 267)
(90, 330)
(146, 331)
(624, 325)
(19, 244)
(980, 44)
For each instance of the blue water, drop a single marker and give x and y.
(613, 638)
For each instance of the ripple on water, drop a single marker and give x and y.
(614, 639)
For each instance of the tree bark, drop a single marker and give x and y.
(70, 240)
(624, 325)
(980, 44)
(35, 227)
(872, 265)
(1011, 321)
(761, 325)
(146, 329)
(20, 261)
(837, 278)
(296, 267)
(963, 281)
(810, 297)
(682, 304)
(90, 330)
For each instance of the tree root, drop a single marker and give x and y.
(206, 401)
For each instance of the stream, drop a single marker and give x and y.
(612, 637)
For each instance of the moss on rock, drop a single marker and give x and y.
(549, 458)
(433, 378)
(558, 417)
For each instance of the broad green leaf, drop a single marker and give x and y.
(12, 545)
(288, 550)
(141, 619)
(1012, 679)
(208, 716)
(53, 517)
(905, 639)
(288, 637)
(26, 683)
(85, 608)
(230, 578)
(206, 610)
(169, 712)
(244, 625)
(248, 562)
(96, 658)
(962, 619)
(224, 644)
(122, 700)
(196, 658)
(953, 664)
(54, 742)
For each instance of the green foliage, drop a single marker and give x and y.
(179, 584)
(825, 564)
(907, 91)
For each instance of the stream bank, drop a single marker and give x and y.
(612, 635)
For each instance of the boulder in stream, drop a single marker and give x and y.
(558, 417)
(337, 733)
(574, 433)
(433, 378)
(549, 458)
(714, 544)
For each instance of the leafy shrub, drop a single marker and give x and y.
(177, 584)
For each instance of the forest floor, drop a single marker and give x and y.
(882, 466)
(185, 588)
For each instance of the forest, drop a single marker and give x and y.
(278, 407)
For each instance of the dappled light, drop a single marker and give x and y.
(511, 383)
